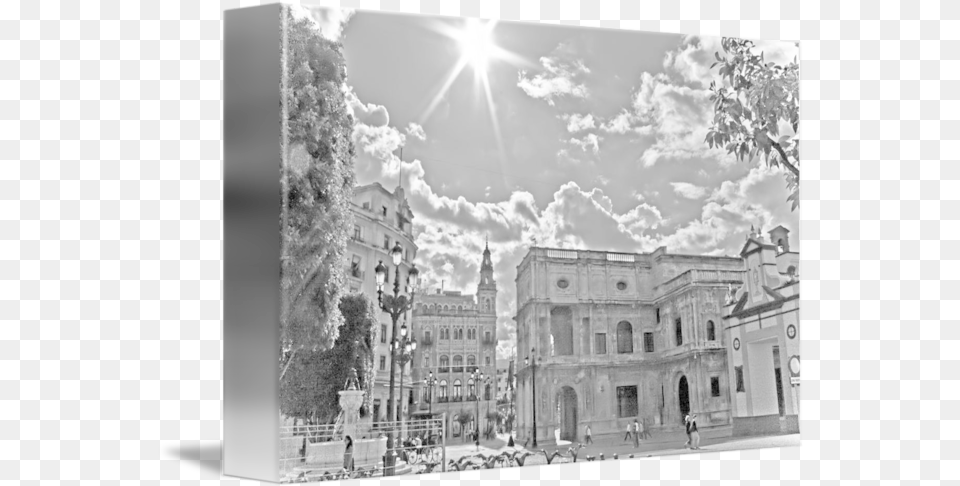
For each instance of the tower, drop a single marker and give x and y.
(487, 288)
(780, 237)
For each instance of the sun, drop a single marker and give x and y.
(476, 44)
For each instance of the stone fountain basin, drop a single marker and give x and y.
(366, 453)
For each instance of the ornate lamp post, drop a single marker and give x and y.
(486, 398)
(477, 377)
(533, 369)
(395, 305)
(404, 347)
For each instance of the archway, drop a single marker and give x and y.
(567, 411)
(683, 394)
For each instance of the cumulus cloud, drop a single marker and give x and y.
(416, 131)
(689, 191)
(692, 60)
(562, 75)
(578, 123)
(589, 143)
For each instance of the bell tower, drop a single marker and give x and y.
(487, 288)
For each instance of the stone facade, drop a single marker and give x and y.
(457, 335)
(381, 220)
(619, 337)
(762, 334)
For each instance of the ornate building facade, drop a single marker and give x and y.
(614, 337)
(457, 336)
(381, 220)
(762, 334)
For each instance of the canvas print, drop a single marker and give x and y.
(509, 244)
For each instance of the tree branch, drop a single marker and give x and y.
(286, 367)
(786, 161)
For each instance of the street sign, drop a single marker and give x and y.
(794, 380)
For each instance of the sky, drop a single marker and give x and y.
(566, 137)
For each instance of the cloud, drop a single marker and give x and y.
(692, 60)
(562, 76)
(416, 131)
(578, 123)
(589, 143)
(366, 113)
(689, 191)
(331, 21)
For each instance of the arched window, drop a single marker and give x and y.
(471, 360)
(457, 392)
(711, 331)
(792, 271)
(444, 361)
(443, 389)
(486, 304)
(780, 246)
(624, 337)
(459, 308)
(471, 392)
(458, 360)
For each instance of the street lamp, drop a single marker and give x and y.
(405, 347)
(395, 305)
(477, 377)
(533, 369)
(431, 382)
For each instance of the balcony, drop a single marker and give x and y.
(427, 340)
(695, 275)
(443, 399)
(458, 369)
(443, 369)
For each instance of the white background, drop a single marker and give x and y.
(110, 236)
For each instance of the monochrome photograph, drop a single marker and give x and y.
(510, 244)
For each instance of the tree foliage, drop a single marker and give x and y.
(755, 102)
(315, 377)
(317, 181)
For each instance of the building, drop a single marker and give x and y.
(762, 329)
(503, 378)
(381, 220)
(615, 337)
(458, 336)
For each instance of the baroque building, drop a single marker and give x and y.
(457, 336)
(381, 220)
(762, 334)
(615, 337)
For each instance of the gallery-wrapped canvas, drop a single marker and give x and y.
(454, 244)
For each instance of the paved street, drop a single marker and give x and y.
(712, 440)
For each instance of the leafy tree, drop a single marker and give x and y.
(754, 102)
(317, 182)
(315, 378)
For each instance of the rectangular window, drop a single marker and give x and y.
(648, 342)
(366, 205)
(600, 343)
(356, 232)
(426, 361)
(383, 363)
(487, 360)
(679, 331)
(626, 401)
(715, 386)
(658, 315)
(383, 333)
(356, 267)
(384, 210)
(739, 373)
(386, 242)
(488, 337)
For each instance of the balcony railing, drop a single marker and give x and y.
(443, 369)
(458, 369)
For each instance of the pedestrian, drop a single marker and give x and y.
(636, 434)
(348, 454)
(686, 424)
(627, 437)
(694, 433)
(589, 435)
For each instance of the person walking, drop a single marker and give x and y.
(646, 430)
(627, 437)
(636, 434)
(588, 435)
(694, 433)
(348, 454)
(641, 431)
(686, 424)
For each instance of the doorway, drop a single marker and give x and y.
(568, 414)
(683, 394)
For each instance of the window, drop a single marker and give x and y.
(458, 360)
(600, 343)
(426, 337)
(443, 389)
(715, 386)
(444, 362)
(366, 205)
(355, 267)
(739, 373)
(621, 286)
(487, 359)
(626, 401)
(563, 283)
(486, 392)
(711, 331)
(648, 342)
(384, 210)
(471, 392)
(457, 392)
(386, 242)
(658, 315)
(426, 360)
(356, 232)
(624, 338)
(488, 337)
(383, 363)
(383, 333)
(471, 360)
(679, 330)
